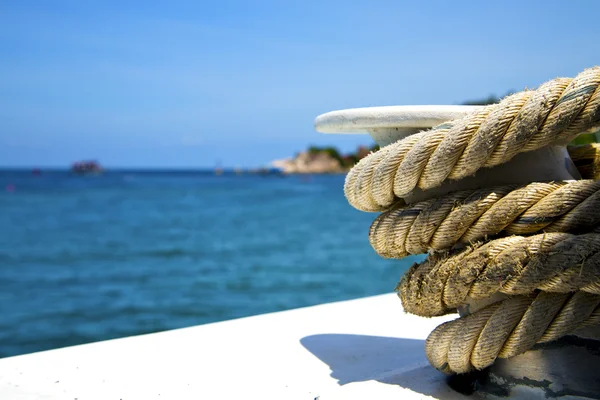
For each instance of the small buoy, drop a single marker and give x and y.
(10, 188)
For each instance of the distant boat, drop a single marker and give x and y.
(86, 168)
(219, 168)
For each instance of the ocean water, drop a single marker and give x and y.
(91, 258)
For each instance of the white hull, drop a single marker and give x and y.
(359, 349)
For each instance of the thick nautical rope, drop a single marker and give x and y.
(587, 160)
(471, 215)
(556, 112)
(517, 290)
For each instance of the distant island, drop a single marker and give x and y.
(86, 167)
(322, 160)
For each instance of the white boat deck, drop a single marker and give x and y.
(364, 349)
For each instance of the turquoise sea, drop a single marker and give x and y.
(88, 258)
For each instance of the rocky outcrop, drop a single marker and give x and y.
(310, 163)
(326, 160)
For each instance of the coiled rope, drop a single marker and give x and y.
(522, 260)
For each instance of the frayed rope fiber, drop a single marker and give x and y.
(528, 254)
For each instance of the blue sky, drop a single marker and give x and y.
(190, 83)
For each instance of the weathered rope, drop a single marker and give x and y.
(587, 160)
(557, 111)
(471, 215)
(516, 265)
(508, 328)
(517, 290)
